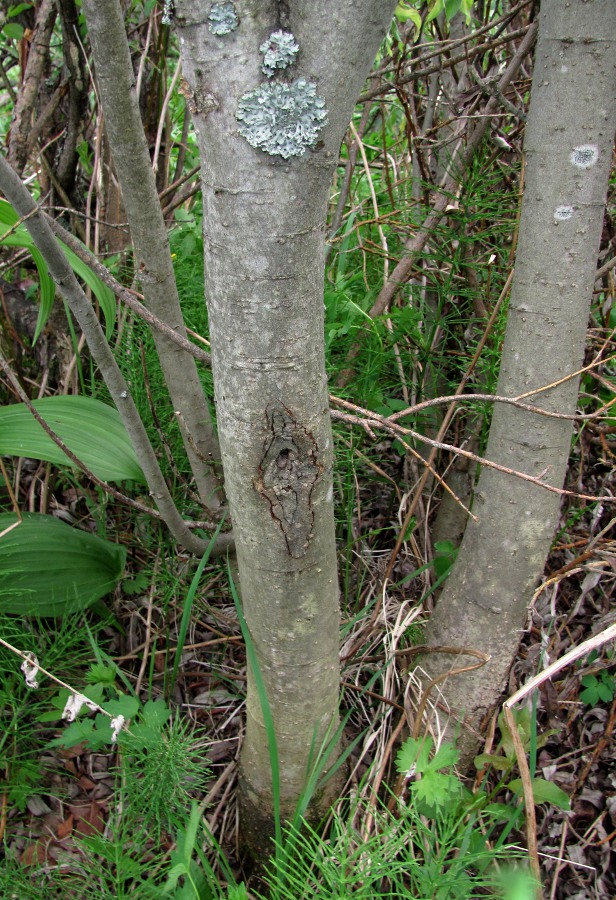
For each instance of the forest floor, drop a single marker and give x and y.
(576, 711)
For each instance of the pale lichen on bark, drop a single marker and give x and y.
(280, 50)
(223, 18)
(282, 119)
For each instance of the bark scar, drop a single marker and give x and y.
(201, 101)
(288, 471)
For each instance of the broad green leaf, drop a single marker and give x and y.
(517, 884)
(75, 733)
(451, 8)
(523, 724)
(436, 8)
(155, 713)
(14, 31)
(48, 568)
(99, 673)
(502, 812)
(237, 892)
(445, 757)
(141, 737)
(173, 876)
(94, 692)
(543, 792)
(148, 730)
(500, 763)
(47, 287)
(436, 789)
(95, 733)
(445, 553)
(597, 689)
(20, 237)
(467, 7)
(92, 430)
(182, 855)
(16, 10)
(404, 13)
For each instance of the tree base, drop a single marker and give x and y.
(257, 830)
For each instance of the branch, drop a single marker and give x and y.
(68, 286)
(370, 420)
(458, 165)
(129, 148)
(127, 297)
(38, 55)
(511, 401)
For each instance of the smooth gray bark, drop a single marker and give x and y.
(264, 227)
(568, 146)
(116, 88)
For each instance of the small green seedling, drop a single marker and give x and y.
(599, 689)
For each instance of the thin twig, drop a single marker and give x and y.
(128, 297)
(148, 625)
(64, 277)
(373, 420)
(529, 800)
(163, 113)
(593, 643)
(607, 267)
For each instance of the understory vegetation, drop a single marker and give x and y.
(134, 796)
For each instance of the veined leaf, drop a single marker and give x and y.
(48, 568)
(20, 237)
(414, 754)
(92, 430)
(405, 12)
(15, 10)
(543, 792)
(436, 8)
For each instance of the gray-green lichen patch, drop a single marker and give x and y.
(563, 213)
(282, 119)
(222, 18)
(280, 50)
(585, 156)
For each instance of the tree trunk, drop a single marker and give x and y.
(116, 88)
(38, 59)
(77, 102)
(264, 226)
(568, 145)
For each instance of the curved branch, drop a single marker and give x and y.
(374, 420)
(127, 297)
(69, 287)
